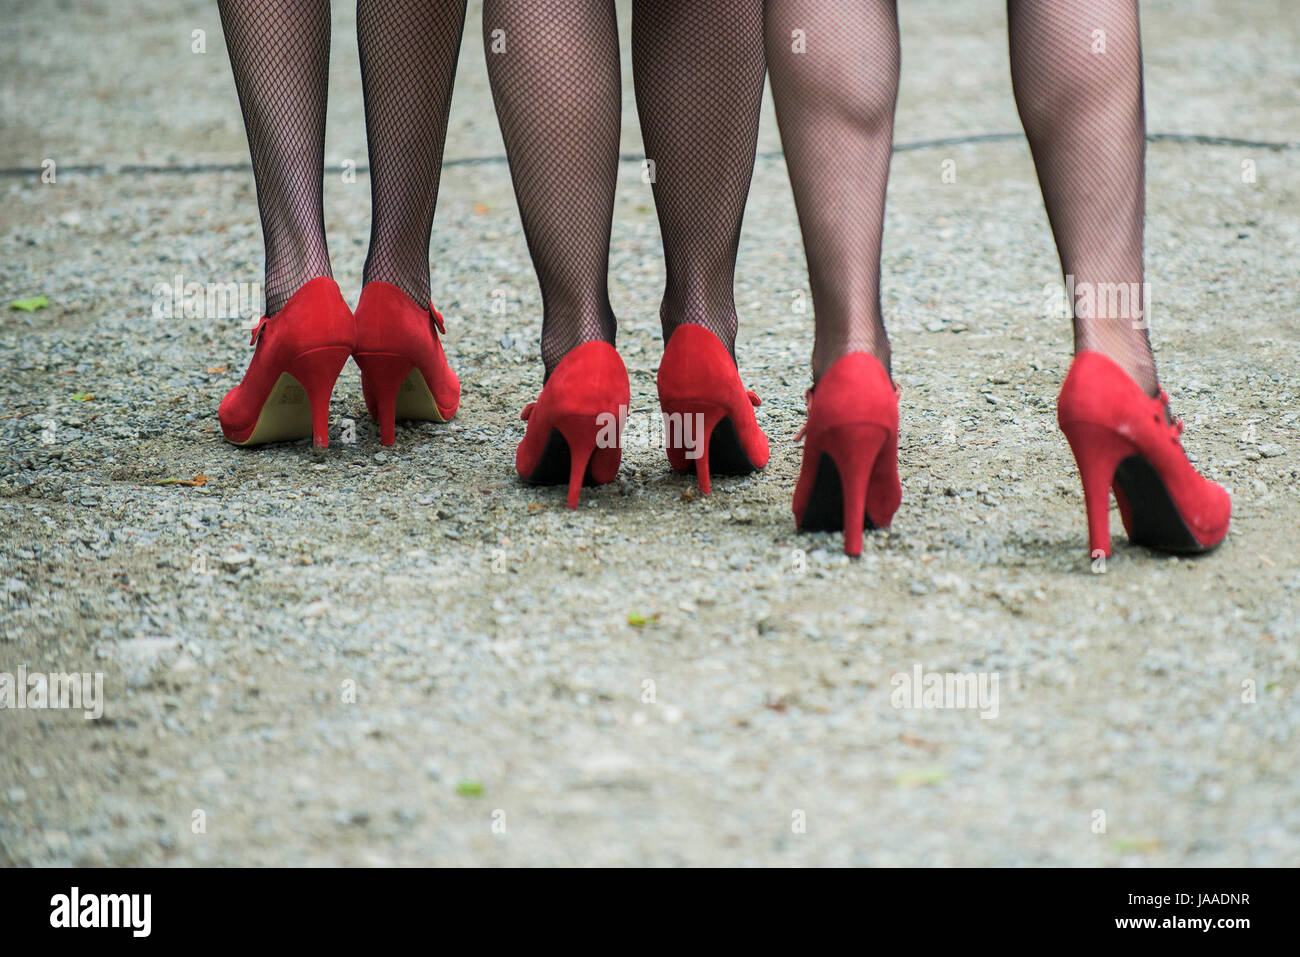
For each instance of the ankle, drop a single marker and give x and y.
(556, 345)
(416, 290)
(281, 283)
(824, 358)
(1135, 359)
(720, 320)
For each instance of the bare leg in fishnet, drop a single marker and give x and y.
(279, 51)
(554, 70)
(1077, 70)
(699, 73)
(408, 51)
(834, 69)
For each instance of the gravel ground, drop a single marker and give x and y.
(404, 656)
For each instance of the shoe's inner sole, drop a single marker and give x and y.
(415, 400)
(285, 415)
(825, 509)
(553, 467)
(1155, 520)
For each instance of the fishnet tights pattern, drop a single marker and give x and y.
(409, 50)
(555, 74)
(1076, 68)
(279, 52)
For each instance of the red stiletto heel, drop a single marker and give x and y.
(575, 426)
(1097, 452)
(1124, 439)
(689, 427)
(317, 371)
(404, 370)
(581, 440)
(708, 416)
(849, 477)
(851, 451)
(383, 378)
(300, 351)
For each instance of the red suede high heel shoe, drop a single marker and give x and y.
(575, 426)
(300, 351)
(404, 371)
(849, 477)
(1126, 440)
(708, 416)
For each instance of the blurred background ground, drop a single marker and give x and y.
(488, 633)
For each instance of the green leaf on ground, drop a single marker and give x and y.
(82, 396)
(31, 303)
(921, 777)
(469, 789)
(637, 620)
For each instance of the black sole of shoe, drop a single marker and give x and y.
(1157, 523)
(825, 509)
(553, 467)
(726, 454)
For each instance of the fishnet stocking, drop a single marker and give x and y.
(834, 72)
(1077, 70)
(279, 51)
(554, 70)
(408, 51)
(699, 70)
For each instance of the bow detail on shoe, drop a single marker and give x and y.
(1174, 422)
(528, 411)
(257, 330)
(807, 398)
(438, 323)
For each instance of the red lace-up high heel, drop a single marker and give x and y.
(575, 427)
(1126, 440)
(708, 416)
(404, 372)
(849, 477)
(299, 353)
